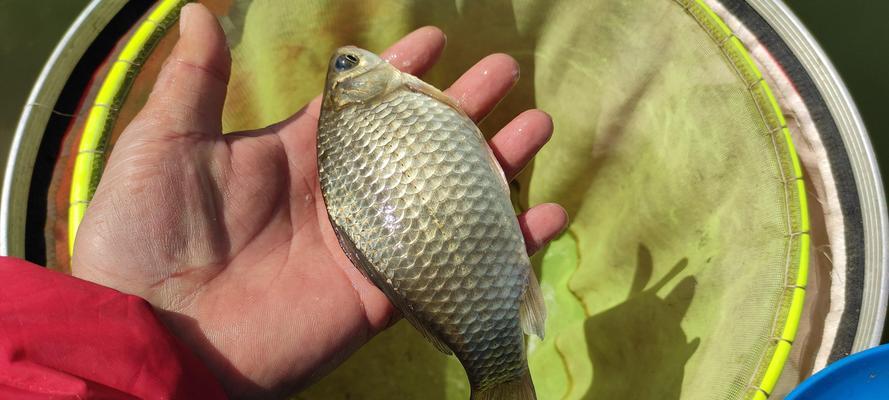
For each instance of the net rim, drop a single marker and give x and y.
(32, 123)
(90, 158)
(870, 193)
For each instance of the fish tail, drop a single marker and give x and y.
(519, 389)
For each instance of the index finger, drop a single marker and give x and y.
(416, 52)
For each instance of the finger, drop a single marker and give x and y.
(417, 51)
(541, 224)
(190, 89)
(520, 140)
(482, 86)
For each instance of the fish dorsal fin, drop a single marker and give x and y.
(418, 85)
(496, 165)
(360, 261)
(532, 312)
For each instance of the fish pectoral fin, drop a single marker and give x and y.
(355, 256)
(360, 261)
(532, 312)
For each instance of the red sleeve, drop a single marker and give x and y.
(62, 337)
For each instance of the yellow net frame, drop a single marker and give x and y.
(772, 363)
(90, 159)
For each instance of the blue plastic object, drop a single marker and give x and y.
(860, 376)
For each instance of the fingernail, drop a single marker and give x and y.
(185, 16)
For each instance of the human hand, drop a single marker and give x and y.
(228, 236)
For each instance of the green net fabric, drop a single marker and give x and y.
(671, 279)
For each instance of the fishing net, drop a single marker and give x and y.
(682, 273)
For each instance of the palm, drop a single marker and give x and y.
(228, 236)
(249, 257)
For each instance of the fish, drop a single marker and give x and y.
(420, 205)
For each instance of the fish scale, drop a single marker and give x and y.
(409, 181)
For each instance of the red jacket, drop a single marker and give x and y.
(66, 338)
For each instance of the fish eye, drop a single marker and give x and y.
(345, 61)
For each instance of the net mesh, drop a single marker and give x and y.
(671, 280)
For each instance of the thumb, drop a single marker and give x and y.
(190, 89)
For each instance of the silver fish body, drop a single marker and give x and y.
(421, 207)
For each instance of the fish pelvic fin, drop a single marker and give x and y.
(532, 311)
(429, 335)
(519, 389)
